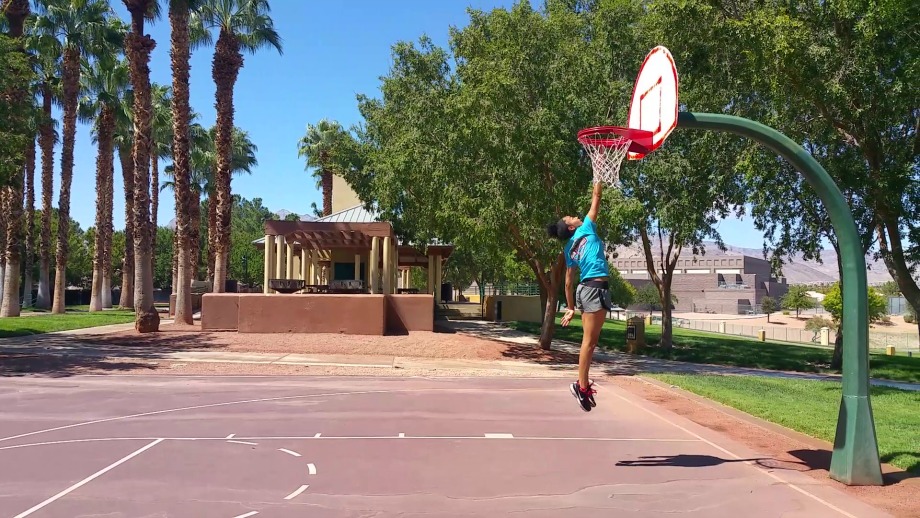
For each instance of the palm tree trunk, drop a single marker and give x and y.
(327, 191)
(127, 265)
(138, 47)
(226, 67)
(71, 81)
(104, 158)
(4, 210)
(183, 257)
(194, 236)
(154, 206)
(175, 264)
(46, 143)
(212, 235)
(29, 226)
(108, 230)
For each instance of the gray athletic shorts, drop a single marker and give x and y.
(590, 299)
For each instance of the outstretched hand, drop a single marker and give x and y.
(569, 313)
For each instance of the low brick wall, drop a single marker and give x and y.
(407, 313)
(306, 313)
(220, 311)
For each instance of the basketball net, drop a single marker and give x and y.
(606, 151)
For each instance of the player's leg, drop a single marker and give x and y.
(593, 323)
(592, 319)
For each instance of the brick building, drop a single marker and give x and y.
(728, 283)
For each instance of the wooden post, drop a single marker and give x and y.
(304, 264)
(269, 262)
(374, 265)
(279, 257)
(387, 264)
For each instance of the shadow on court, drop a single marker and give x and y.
(67, 355)
(683, 461)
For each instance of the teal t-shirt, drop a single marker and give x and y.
(586, 250)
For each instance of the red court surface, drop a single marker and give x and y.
(266, 447)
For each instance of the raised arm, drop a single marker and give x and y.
(595, 201)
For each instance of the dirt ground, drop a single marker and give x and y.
(439, 344)
(897, 324)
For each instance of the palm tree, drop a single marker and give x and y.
(318, 146)
(139, 46)
(161, 147)
(104, 82)
(124, 141)
(78, 25)
(46, 50)
(242, 25)
(203, 172)
(180, 51)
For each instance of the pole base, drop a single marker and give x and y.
(855, 461)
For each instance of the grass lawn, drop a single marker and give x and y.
(810, 407)
(38, 324)
(737, 351)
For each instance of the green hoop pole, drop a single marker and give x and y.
(855, 460)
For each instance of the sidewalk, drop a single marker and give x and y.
(492, 331)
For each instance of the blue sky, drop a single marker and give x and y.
(332, 52)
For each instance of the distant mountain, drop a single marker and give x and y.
(796, 270)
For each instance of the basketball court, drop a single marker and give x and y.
(229, 447)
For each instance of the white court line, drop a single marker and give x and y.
(317, 436)
(289, 452)
(231, 436)
(245, 442)
(260, 400)
(311, 468)
(375, 438)
(88, 479)
(296, 492)
(499, 436)
(736, 457)
(247, 515)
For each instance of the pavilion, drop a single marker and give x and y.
(351, 275)
(348, 245)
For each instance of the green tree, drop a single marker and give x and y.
(833, 303)
(674, 199)
(797, 298)
(890, 289)
(648, 295)
(769, 306)
(483, 155)
(14, 127)
(12, 168)
(622, 293)
(162, 271)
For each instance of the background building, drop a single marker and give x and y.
(722, 282)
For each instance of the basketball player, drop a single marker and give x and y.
(585, 250)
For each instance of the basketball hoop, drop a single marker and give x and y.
(652, 117)
(607, 146)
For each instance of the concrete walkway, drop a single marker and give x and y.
(626, 363)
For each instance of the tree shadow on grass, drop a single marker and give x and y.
(68, 355)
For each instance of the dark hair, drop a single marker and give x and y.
(560, 230)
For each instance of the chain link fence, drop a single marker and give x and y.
(878, 340)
